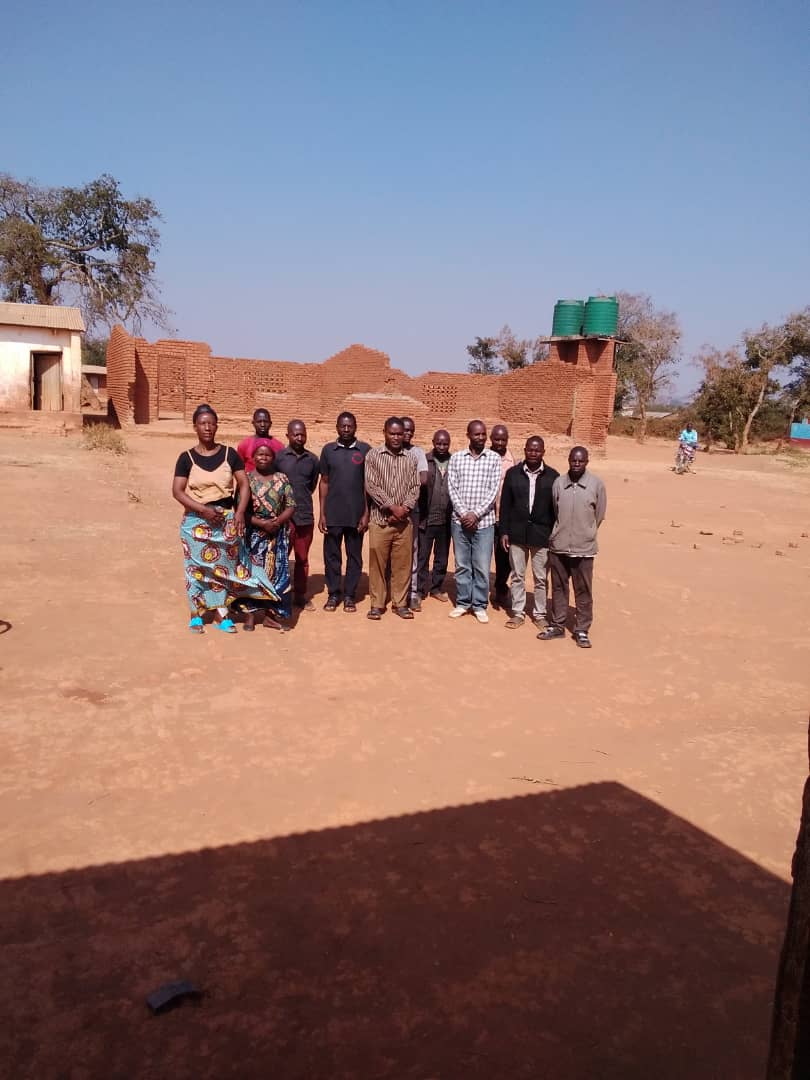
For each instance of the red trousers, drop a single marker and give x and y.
(300, 543)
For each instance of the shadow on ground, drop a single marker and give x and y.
(581, 933)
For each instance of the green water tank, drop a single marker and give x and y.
(568, 318)
(601, 316)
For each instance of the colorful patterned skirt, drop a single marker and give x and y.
(270, 555)
(219, 568)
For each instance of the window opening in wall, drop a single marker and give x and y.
(46, 381)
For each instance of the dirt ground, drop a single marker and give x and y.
(430, 849)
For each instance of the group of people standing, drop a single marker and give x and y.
(248, 510)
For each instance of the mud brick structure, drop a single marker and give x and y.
(571, 393)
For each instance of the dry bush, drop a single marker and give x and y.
(104, 437)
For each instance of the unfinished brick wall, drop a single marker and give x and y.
(570, 393)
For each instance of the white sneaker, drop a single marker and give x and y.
(457, 612)
(481, 615)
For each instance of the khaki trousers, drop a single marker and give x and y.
(519, 556)
(392, 543)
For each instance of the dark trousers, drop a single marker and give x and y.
(435, 540)
(565, 568)
(353, 541)
(300, 543)
(503, 568)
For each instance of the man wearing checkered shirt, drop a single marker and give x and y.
(473, 479)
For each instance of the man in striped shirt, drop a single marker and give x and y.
(392, 487)
(473, 480)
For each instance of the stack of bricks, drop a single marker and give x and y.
(569, 394)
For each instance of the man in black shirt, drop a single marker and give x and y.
(527, 518)
(344, 512)
(302, 470)
(435, 509)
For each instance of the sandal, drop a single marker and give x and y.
(551, 632)
(582, 640)
(403, 612)
(196, 626)
(375, 614)
(515, 622)
(349, 604)
(226, 626)
(331, 604)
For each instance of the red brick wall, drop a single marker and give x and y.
(570, 393)
(121, 375)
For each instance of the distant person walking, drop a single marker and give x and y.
(473, 479)
(580, 504)
(435, 509)
(392, 486)
(499, 442)
(302, 468)
(527, 518)
(343, 511)
(418, 453)
(262, 422)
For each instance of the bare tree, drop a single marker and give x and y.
(539, 350)
(514, 352)
(645, 364)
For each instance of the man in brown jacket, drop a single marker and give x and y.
(392, 487)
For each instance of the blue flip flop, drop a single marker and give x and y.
(196, 625)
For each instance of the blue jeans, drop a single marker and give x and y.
(472, 552)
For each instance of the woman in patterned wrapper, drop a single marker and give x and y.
(212, 533)
(268, 535)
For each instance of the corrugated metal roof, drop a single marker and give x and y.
(52, 318)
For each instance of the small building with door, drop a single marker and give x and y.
(40, 358)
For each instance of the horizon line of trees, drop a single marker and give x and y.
(758, 387)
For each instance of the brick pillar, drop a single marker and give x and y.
(146, 383)
(121, 376)
(594, 393)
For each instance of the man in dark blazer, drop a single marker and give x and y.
(526, 521)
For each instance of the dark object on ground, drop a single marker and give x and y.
(172, 994)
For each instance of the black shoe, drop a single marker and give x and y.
(551, 632)
(582, 639)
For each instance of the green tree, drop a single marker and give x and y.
(645, 363)
(88, 245)
(483, 357)
(725, 397)
(770, 349)
(94, 351)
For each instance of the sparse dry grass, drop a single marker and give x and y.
(104, 437)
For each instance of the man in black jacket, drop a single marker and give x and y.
(434, 521)
(527, 518)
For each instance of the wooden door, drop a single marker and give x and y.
(47, 382)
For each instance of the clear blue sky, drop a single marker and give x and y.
(409, 175)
